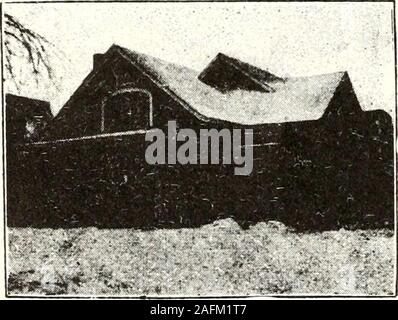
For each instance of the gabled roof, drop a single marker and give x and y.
(292, 99)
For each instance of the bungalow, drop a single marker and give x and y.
(320, 161)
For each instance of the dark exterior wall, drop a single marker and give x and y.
(340, 166)
(344, 104)
(106, 182)
(19, 112)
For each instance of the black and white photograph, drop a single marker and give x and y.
(199, 149)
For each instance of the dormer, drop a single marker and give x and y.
(227, 74)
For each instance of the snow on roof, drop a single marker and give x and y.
(293, 99)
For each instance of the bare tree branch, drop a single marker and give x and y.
(22, 42)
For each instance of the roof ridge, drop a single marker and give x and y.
(318, 75)
(141, 54)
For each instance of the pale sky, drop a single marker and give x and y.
(295, 39)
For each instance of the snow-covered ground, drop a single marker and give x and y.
(216, 259)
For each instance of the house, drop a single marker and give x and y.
(320, 161)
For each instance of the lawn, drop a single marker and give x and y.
(215, 259)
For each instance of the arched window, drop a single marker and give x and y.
(127, 109)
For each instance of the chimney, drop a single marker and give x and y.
(97, 60)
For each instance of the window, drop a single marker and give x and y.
(127, 110)
(30, 129)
